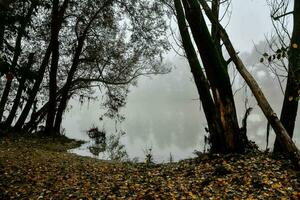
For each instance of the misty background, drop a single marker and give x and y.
(163, 112)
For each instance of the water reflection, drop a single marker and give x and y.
(165, 113)
(99, 141)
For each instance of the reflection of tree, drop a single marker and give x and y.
(99, 138)
(96, 149)
(110, 146)
(115, 150)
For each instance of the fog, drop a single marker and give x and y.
(164, 112)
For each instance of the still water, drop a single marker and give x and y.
(164, 113)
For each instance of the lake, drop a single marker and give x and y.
(164, 113)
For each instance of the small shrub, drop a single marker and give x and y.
(148, 156)
(171, 159)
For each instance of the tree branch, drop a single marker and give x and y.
(280, 16)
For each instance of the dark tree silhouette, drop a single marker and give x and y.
(292, 91)
(220, 112)
(290, 148)
(85, 45)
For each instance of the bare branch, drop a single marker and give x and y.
(282, 15)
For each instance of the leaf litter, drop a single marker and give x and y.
(42, 169)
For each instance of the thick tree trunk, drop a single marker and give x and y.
(216, 70)
(57, 18)
(277, 126)
(49, 130)
(55, 28)
(216, 136)
(20, 90)
(292, 91)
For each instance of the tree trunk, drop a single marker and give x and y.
(215, 33)
(216, 70)
(49, 130)
(4, 97)
(215, 130)
(35, 119)
(16, 56)
(21, 120)
(57, 18)
(53, 69)
(279, 129)
(68, 84)
(17, 99)
(292, 91)
(41, 72)
(65, 90)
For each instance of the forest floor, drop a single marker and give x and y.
(42, 169)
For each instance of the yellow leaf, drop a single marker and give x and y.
(276, 185)
(295, 46)
(290, 98)
(296, 195)
(192, 195)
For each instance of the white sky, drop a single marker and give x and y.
(249, 23)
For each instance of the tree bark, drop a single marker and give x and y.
(277, 126)
(36, 118)
(52, 88)
(21, 120)
(292, 91)
(4, 97)
(65, 90)
(216, 136)
(16, 56)
(216, 70)
(57, 18)
(215, 7)
(67, 86)
(20, 90)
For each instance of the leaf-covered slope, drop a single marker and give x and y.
(32, 170)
